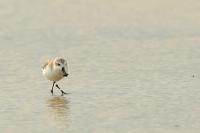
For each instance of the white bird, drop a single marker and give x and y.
(54, 70)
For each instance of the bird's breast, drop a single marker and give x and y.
(53, 75)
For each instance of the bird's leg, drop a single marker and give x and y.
(61, 90)
(52, 87)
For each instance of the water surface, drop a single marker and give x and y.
(133, 65)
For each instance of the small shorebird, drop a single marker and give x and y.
(54, 70)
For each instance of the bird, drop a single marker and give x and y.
(55, 70)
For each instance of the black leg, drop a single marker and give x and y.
(52, 87)
(61, 90)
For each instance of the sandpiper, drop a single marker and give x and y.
(54, 70)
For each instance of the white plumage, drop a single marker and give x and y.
(54, 70)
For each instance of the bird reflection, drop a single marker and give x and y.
(59, 109)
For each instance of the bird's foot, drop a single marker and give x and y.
(52, 91)
(63, 93)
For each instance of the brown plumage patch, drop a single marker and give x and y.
(45, 65)
(61, 60)
(50, 63)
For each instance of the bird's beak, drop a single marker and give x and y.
(64, 72)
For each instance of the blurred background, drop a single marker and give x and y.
(134, 66)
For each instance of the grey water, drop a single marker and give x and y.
(134, 66)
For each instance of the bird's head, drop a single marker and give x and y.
(61, 65)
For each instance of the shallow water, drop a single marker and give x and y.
(133, 65)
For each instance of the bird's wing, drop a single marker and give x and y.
(45, 65)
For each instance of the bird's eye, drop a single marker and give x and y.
(58, 64)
